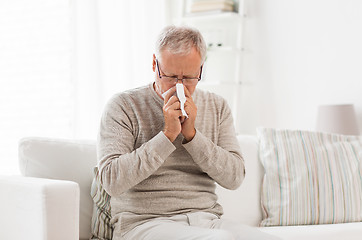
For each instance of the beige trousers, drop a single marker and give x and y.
(194, 226)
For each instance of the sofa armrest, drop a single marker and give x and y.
(38, 208)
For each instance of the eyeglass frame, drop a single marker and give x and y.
(176, 78)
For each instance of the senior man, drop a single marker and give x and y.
(159, 166)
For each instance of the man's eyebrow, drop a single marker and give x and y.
(170, 75)
(175, 75)
(189, 76)
(185, 76)
(194, 75)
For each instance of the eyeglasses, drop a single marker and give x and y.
(173, 79)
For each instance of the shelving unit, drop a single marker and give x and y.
(223, 33)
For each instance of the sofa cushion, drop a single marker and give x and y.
(101, 227)
(310, 177)
(63, 160)
(243, 204)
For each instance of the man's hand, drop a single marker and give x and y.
(175, 123)
(188, 125)
(172, 114)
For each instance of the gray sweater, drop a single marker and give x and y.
(147, 175)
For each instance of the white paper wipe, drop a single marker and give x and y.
(181, 96)
(180, 92)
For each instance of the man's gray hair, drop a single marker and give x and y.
(180, 40)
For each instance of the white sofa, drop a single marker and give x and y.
(52, 199)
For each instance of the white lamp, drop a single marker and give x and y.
(340, 119)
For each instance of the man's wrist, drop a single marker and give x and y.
(188, 138)
(169, 136)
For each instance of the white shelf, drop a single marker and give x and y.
(225, 49)
(223, 67)
(207, 16)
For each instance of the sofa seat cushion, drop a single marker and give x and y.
(350, 231)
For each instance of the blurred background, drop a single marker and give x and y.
(274, 61)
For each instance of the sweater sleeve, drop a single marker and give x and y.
(120, 165)
(222, 161)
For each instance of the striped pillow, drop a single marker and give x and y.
(101, 228)
(310, 177)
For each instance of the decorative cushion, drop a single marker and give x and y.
(101, 228)
(310, 177)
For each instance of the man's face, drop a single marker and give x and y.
(180, 66)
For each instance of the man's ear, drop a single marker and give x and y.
(154, 63)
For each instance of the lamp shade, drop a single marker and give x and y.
(340, 119)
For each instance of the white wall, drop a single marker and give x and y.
(300, 54)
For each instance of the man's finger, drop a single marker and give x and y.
(172, 100)
(187, 93)
(174, 113)
(172, 107)
(176, 106)
(169, 94)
